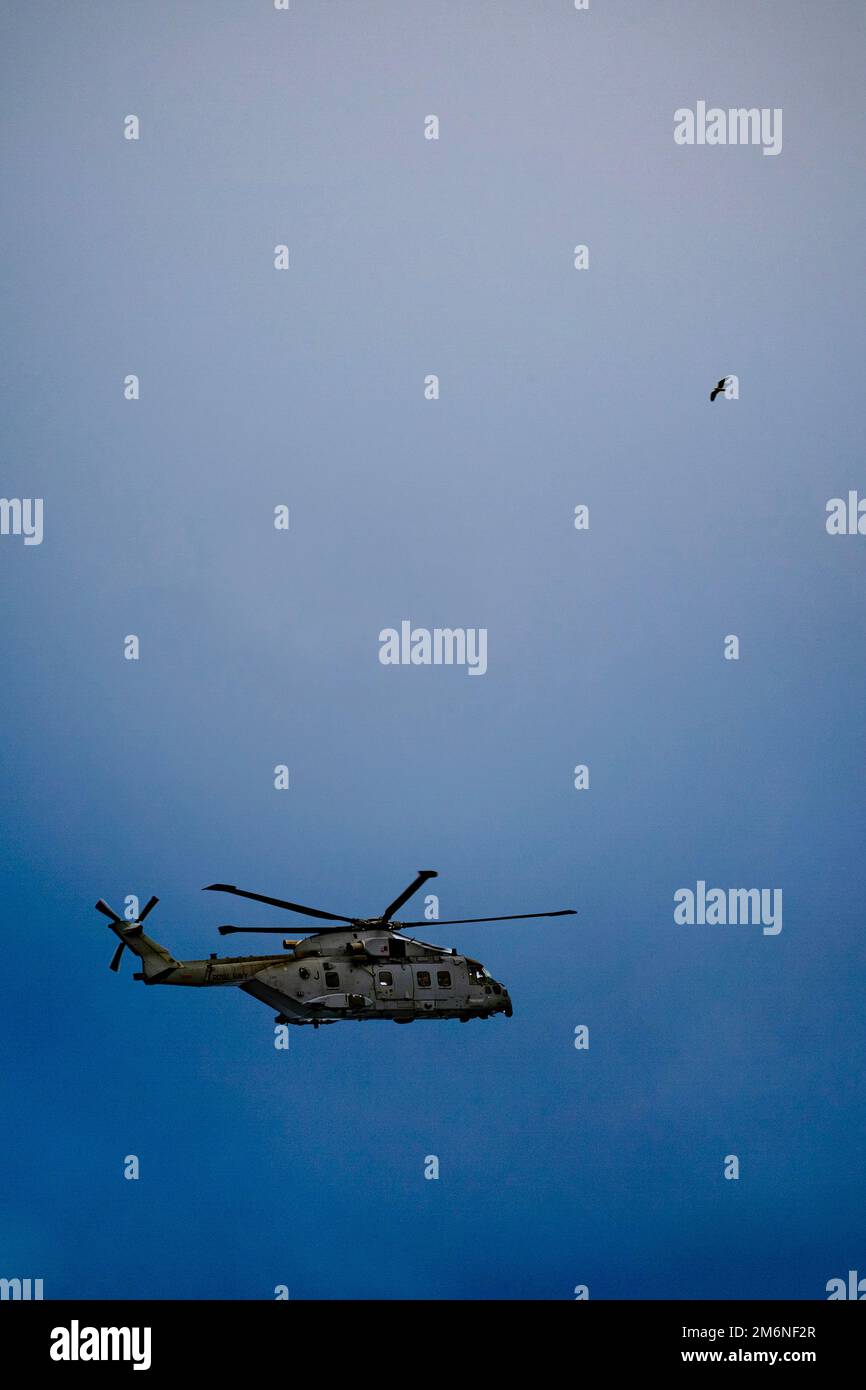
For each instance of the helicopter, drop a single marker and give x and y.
(364, 968)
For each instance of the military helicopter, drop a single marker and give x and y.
(365, 968)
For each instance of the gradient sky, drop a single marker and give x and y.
(454, 257)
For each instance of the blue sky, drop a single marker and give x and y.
(453, 257)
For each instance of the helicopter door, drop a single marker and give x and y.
(393, 986)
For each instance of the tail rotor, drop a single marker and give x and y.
(122, 928)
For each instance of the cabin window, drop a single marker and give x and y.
(423, 978)
(385, 977)
(332, 979)
(444, 978)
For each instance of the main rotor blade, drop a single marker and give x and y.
(276, 902)
(107, 911)
(423, 875)
(228, 930)
(147, 908)
(115, 959)
(512, 917)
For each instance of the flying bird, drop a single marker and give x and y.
(717, 390)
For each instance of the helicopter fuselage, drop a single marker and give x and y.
(353, 975)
